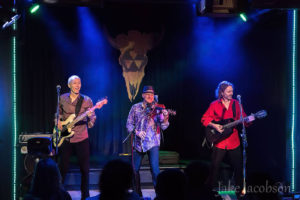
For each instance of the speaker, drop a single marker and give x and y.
(29, 163)
(39, 146)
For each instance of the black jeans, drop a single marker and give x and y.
(82, 151)
(235, 156)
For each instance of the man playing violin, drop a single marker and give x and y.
(146, 120)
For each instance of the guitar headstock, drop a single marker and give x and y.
(261, 114)
(101, 102)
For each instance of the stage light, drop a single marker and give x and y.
(243, 16)
(7, 17)
(34, 8)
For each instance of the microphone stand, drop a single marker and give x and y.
(245, 144)
(57, 118)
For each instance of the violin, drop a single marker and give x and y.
(161, 108)
(157, 109)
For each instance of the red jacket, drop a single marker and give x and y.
(215, 112)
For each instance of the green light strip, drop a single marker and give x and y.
(14, 104)
(294, 73)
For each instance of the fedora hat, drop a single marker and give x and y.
(148, 89)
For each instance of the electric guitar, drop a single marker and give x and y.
(213, 136)
(70, 122)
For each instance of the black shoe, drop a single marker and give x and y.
(83, 197)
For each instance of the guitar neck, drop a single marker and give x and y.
(82, 116)
(78, 119)
(234, 123)
(98, 105)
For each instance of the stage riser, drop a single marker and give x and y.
(72, 181)
(73, 178)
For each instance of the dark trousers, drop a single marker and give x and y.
(235, 156)
(153, 155)
(82, 151)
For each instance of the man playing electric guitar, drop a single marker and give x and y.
(76, 103)
(225, 107)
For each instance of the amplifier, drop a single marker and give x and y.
(23, 139)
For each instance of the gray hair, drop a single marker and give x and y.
(72, 78)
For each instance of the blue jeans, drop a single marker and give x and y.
(153, 155)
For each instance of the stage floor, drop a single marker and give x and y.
(147, 193)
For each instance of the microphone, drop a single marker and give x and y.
(58, 88)
(238, 97)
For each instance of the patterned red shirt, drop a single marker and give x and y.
(215, 112)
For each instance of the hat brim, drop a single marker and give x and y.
(148, 91)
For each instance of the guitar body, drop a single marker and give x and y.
(213, 136)
(65, 132)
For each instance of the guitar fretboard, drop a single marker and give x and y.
(82, 116)
(236, 122)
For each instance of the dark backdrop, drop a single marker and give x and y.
(5, 113)
(195, 54)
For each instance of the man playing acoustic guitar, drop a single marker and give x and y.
(225, 107)
(78, 104)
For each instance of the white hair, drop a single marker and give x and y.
(72, 78)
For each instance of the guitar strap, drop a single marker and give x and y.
(223, 113)
(78, 105)
(234, 110)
